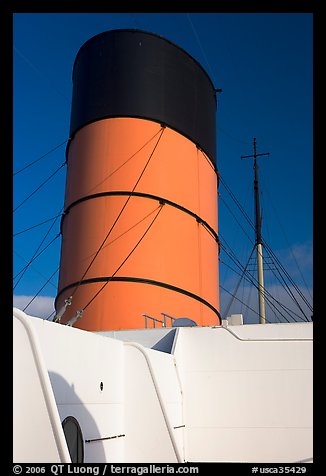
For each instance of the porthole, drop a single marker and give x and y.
(74, 439)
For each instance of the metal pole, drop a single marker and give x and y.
(261, 290)
(259, 247)
(259, 241)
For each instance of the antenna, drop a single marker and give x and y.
(259, 241)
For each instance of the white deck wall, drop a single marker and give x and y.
(248, 396)
(77, 362)
(35, 416)
(153, 407)
(243, 393)
(133, 418)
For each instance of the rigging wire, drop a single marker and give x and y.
(288, 290)
(52, 313)
(254, 282)
(42, 75)
(120, 213)
(251, 280)
(238, 204)
(37, 160)
(200, 46)
(291, 281)
(237, 299)
(35, 226)
(41, 289)
(115, 239)
(124, 163)
(287, 275)
(159, 208)
(244, 304)
(60, 214)
(124, 232)
(34, 269)
(231, 136)
(235, 218)
(35, 255)
(271, 255)
(268, 298)
(196, 35)
(251, 288)
(238, 284)
(40, 186)
(287, 241)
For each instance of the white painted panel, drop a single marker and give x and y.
(147, 436)
(37, 433)
(206, 349)
(237, 391)
(146, 337)
(168, 383)
(258, 445)
(292, 331)
(249, 399)
(99, 422)
(84, 359)
(164, 368)
(78, 361)
(243, 397)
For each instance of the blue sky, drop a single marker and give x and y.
(262, 61)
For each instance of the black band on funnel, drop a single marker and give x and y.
(132, 73)
(131, 279)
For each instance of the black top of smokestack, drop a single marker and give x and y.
(133, 73)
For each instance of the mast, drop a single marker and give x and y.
(258, 235)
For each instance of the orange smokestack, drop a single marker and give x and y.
(139, 233)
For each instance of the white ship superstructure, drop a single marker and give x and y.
(114, 378)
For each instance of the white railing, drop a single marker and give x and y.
(160, 321)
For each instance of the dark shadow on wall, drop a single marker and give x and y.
(63, 391)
